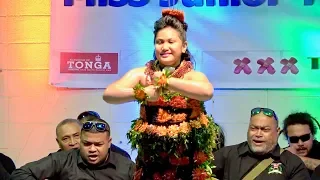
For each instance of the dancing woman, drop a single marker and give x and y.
(174, 135)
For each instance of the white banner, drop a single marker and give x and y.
(240, 45)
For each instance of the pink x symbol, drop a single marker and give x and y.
(242, 65)
(266, 65)
(289, 64)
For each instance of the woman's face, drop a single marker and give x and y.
(169, 46)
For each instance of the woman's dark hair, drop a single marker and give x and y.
(181, 27)
(300, 118)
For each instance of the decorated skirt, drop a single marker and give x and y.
(175, 139)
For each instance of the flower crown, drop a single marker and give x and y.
(175, 13)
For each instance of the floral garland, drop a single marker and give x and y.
(202, 128)
(177, 139)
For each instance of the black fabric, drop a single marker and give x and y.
(234, 162)
(67, 165)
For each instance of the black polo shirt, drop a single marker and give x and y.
(67, 165)
(234, 162)
(7, 163)
(315, 150)
(316, 173)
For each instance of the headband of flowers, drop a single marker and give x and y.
(175, 13)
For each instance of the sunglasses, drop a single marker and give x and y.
(303, 138)
(88, 113)
(101, 127)
(265, 111)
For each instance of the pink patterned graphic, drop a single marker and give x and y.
(242, 65)
(266, 65)
(289, 65)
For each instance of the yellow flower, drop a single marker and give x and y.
(195, 124)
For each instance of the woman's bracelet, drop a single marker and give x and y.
(139, 93)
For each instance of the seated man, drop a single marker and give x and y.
(93, 160)
(316, 173)
(260, 157)
(300, 130)
(6, 167)
(82, 117)
(68, 134)
(220, 138)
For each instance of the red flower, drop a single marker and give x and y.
(196, 108)
(178, 102)
(157, 176)
(179, 161)
(181, 148)
(163, 155)
(160, 102)
(184, 161)
(169, 175)
(199, 174)
(200, 157)
(174, 160)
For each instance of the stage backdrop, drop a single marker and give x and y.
(236, 43)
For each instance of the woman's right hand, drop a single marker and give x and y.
(153, 93)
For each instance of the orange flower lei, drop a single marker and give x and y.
(139, 93)
(173, 130)
(153, 65)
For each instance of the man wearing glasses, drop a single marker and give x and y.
(260, 157)
(93, 160)
(300, 129)
(87, 115)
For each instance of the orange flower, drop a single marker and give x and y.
(196, 108)
(143, 127)
(204, 119)
(195, 124)
(140, 94)
(173, 131)
(200, 157)
(151, 129)
(178, 102)
(192, 103)
(162, 81)
(161, 130)
(163, 116)
(138, 124)
(179, 117)
(184, 128)
(195, 112)
(199, 174)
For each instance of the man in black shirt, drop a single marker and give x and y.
(240, 161)
(93, 161)
(68, 134)
(300, 130)
(6, 167)
(316, 173)
(87, 115)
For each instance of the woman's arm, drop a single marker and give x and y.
(198, 87)
(122, 91)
